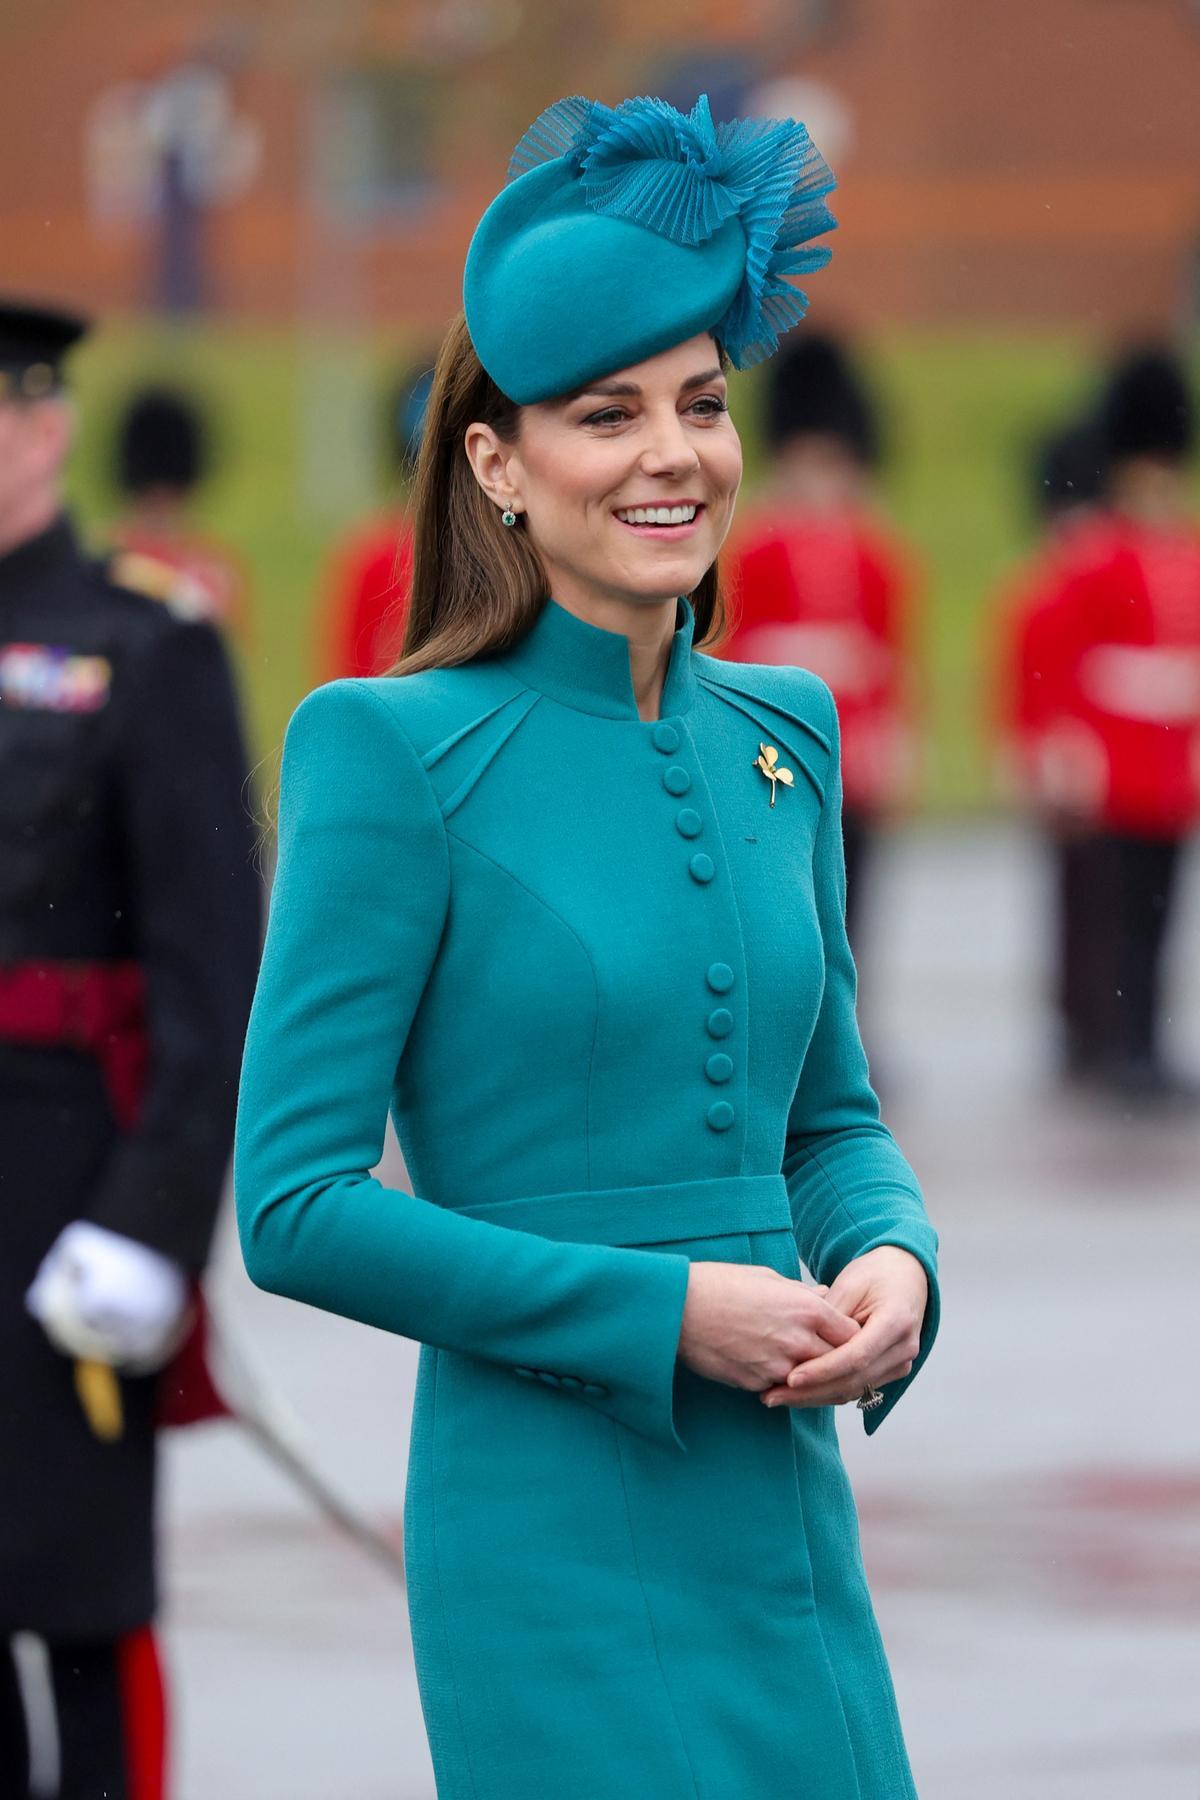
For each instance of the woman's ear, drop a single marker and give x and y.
(492, 463)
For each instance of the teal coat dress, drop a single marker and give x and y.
(604, 987)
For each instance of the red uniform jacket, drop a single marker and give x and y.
(832, 594)
(366, 601)
(214, 583)
(1105, 659)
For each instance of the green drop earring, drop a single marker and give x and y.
(508, 516)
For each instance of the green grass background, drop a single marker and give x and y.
(297, 427)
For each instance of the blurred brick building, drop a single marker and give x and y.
(1035, 162)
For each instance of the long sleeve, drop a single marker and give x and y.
(197, 908)
(851, 1189)
(362, 893)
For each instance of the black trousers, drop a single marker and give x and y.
(1115, 894)
(89, 1721)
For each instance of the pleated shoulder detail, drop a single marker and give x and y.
(781, 714)
(458, 720)
(487, 737)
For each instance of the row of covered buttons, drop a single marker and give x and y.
(719, 1067)
(677, 781)
(594, 1389)
(689, 824)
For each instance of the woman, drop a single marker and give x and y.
(569, 895)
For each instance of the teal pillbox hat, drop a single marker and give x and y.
(624, 231)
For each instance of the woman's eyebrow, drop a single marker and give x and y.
(695, 381)
(630, 389)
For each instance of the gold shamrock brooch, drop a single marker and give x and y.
(768, 761)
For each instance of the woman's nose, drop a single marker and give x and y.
(668, 449)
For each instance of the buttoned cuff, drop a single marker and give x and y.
(631, 1378)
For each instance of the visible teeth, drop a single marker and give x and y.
(657, 515)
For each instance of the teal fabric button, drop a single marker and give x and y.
(719, 977)
(702, 867)
(665, 738)
(594, 1389)
(719, 1022)
(546, 1376)
(721, 1115)
(526, 1374)
(688, 822)
(676, 779)
(570, 1381)
(719, 1067)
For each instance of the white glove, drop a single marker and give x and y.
(106, 1297)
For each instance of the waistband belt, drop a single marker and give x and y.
(634, 1216)
(94, 1007)
(72, 1003)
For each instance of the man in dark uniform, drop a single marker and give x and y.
(129, 934)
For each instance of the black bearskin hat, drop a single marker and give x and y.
(1148, 408)
(812, 388)
(161, 442)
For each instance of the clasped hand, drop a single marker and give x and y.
(795, 1345)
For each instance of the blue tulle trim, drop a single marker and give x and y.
(683, 176)
(559, 131)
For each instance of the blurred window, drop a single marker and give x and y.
(376, 147)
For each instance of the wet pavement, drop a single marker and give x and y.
(1030, 1514)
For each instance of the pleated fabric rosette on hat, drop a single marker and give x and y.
(623, 231)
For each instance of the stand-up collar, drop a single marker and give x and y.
(585, 667)
(37, 556)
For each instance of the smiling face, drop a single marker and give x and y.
(627, 487)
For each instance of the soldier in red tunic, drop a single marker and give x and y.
(1104, 713)
(1068, 491)
(163, 456)
(366, 586)
(816, 580)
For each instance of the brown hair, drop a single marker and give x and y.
(478, 586)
